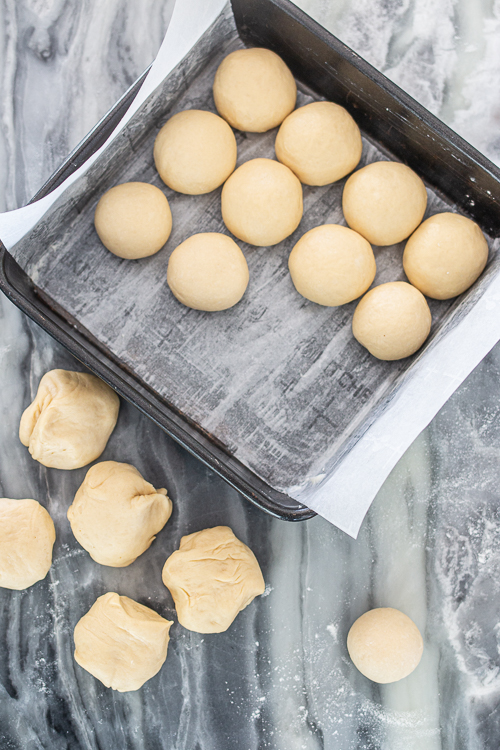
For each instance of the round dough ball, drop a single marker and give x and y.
(121, 642)
(385, 201)
(262, 202)
(254, 90)
(27, 536)
(332, 265)
(195, 152)
(319, 142)
(212, 577)
(392, 320)
(133, 220)
(69, 422)
(445, 255)
(385, 645)
(116, 514)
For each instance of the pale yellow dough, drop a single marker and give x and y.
(27, 535)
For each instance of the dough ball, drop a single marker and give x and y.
(116, 514)
(262, 202)
(27, 536)
(133, 220)
(208, 271)
(332, 265)
(69, 422)
(392, 320)
(212, 577)
(254, 90)
(445, 255)
(195, 152)
(121, 642)
(319, 142)
(385, 201)
(385, 645)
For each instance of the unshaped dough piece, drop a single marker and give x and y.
(27, 535)
(116, 514)
(69, 422)
(121, 642)
(212, 577)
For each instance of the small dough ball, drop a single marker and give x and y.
(133, 220)
(121, 642)
(195, 152)
(445, 255)
(254, 90)
(116, 514)
(392, 320)
(262, 202)
(332, 265)
(69, 422)
(385, 645)
(212, 577)
(385, 201)
(27, 535)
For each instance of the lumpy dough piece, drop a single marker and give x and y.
(385, 645)
(212, 577)
(27, 536)
(69, 422)
(392, 320)
(332, 265)
(254, 90)
(445, 255)
(121, 642)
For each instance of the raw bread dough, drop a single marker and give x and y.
(392, 320)
(445, 255)
(385, 645)
(133, 220)
(262, 202)
(69, 422)
(332, 265)
(195, 152)
(121, 642)
(27, 536)
(319, 142)
(254, 89)
(116, 514)
(212, 577)
(385, 201)
(208, 271)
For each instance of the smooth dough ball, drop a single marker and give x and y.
(392, 320)
(195, 152)
(332, 265)
(69, 422)
(385, 645)
(133, 220)
(254, 90)
(262, 202)
(212, 577)
(445, 255)
(121, 642)
(27, 536)
(385, 201)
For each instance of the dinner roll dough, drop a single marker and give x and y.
(385, 645)
(27, 536)
(385, 201)
(445, 255)
(392, 320)
(332, 265)
(133, 220)
(69, 422)
(121, 642)
(212, 577)
(116, 514)
(254, 89)
(262, 202)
